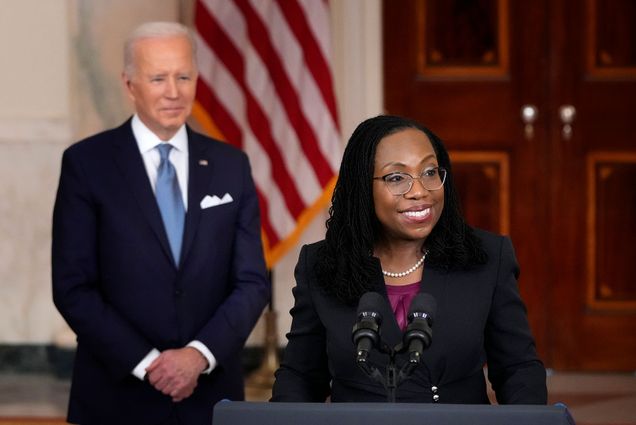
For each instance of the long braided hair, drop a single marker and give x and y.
(345, 262)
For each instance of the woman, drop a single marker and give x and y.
(395, 228)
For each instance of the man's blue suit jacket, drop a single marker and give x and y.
(117, 286)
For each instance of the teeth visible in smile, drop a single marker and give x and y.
(417, 214)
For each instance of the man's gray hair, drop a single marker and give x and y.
(155, 30)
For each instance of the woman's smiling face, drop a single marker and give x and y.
(413, 215)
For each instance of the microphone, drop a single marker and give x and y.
(366, 331)
(419, 335)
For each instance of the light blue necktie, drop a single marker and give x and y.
(170, 201)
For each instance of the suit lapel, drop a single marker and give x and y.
(131, 164)
(434, 283)
(199, 175)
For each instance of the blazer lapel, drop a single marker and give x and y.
(199, 174)
(131, 164)
(434, 283)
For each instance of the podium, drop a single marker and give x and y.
(248, 413)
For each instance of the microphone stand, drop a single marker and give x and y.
(393, 378)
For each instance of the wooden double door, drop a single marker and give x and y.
(536, 101)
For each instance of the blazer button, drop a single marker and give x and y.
(434, 389)
(178, 292)
(435, 398)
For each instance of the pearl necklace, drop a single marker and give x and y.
(406, 272)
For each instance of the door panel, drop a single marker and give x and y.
(593, 202)
(566, 194)
(485, 181)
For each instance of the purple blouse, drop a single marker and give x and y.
(400, 297)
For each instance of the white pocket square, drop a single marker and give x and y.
(214, 201)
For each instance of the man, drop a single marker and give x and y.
(157, 259)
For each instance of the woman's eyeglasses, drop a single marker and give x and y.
(400, 183)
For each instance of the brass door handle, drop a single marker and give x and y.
(567, 113)
(529, 114)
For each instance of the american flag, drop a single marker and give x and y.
(265, 85)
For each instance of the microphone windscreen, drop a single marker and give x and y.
(370, 302)
(424, 303)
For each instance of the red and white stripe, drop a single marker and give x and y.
(265, 85)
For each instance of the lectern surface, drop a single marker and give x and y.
(250, 413)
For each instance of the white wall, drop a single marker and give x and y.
(34, 127)
(59, 82)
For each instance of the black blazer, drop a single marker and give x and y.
(480, 319)
(117, 286)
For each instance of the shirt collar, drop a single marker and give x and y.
(147, 140)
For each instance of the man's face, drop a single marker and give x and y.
(163, 83)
